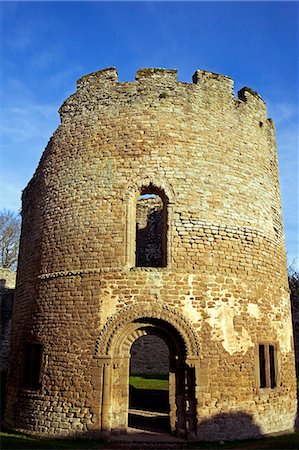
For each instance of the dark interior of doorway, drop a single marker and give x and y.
(149, 391)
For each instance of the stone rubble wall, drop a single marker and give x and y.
(149, 356)
(295, 319)
(7, 278)
(149, 232)
(7, 285)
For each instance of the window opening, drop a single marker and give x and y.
(272, 367)
(262, 366)
(32, 366)
(151, 223)
(267, 366)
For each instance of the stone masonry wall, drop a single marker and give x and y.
(7, 286)
(149, 355)
(149, 232)
(212, 158)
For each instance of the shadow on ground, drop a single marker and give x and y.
(149, 399)
(155, 422)
(149, 410)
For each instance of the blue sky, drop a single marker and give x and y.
(47, 46)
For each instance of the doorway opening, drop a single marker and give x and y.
(116, 349)
(149, 384)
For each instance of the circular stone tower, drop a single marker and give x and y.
(155, 210)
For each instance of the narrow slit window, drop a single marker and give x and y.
(151, 234)
(267, 366)
(272, 367)
(32, 366)
(262, 366)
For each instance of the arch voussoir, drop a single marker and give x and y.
(123, 324)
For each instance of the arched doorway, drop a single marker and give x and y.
(113, 354)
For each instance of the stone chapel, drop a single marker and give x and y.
(154, 216)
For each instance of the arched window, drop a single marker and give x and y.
(151, 228)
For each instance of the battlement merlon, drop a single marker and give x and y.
(214, 83)
(253, 99)
(157, 73)
(108, 74)
(210, 84)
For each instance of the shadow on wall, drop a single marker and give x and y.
(226, 427)
(296, 424)
(222, 427)
(236, 426)
(229, 426)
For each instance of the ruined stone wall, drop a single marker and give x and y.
(7, 286)
(294, 287)
(7, 278)
(150, 237)
(149, 355)
(212, 158)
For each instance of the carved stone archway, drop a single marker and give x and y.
(113, 356)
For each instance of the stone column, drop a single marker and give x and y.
(106, 403)
(120, 396)
(172, 400)
(180, 399)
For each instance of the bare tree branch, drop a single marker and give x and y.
(10, 228)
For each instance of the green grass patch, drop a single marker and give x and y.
(20, 442)
(156, 382)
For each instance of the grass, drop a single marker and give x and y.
(156, 382)
(19, 441)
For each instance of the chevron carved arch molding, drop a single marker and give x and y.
(131, 322)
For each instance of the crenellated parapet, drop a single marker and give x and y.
(160, 87)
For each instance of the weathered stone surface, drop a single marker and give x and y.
(7, 286)
(222, 286)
